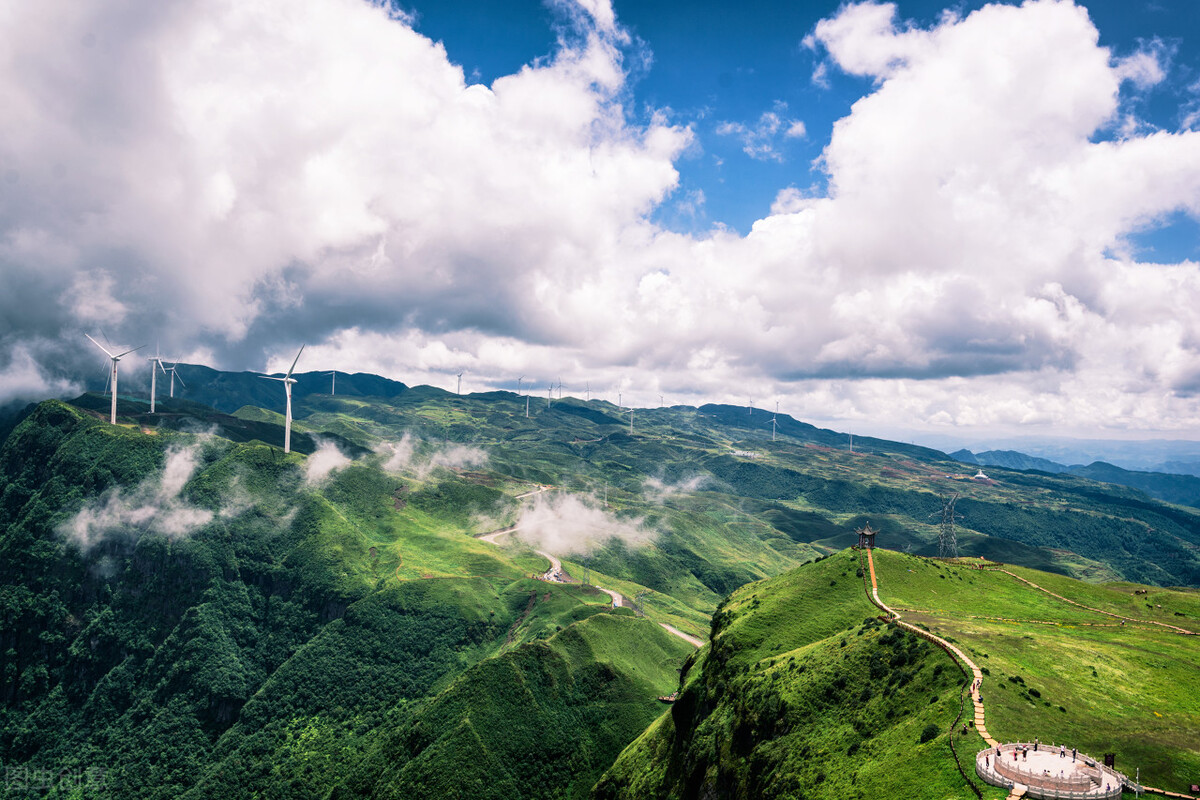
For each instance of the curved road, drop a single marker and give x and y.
(557, 575)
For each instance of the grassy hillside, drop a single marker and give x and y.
(801, 695)
(200, 614)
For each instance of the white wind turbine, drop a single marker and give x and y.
(173, 376)
(287, 380)
(113, 377)
(333, 383)
(459, 391)
(155, 361)
(519, 385)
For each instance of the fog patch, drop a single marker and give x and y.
(421, 458)
(398, 455)
(658, 491)
(566, 523)
(154, 506)
(324, 461)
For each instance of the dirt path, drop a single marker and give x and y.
(556, 574)
(1175, 628)
(692, 640)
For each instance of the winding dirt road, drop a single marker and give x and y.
(556, 574)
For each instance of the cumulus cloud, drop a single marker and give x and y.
(281, 172)
(322, 463)
(760, 140)
(659, 491)
(154, 506)
(562, 524)
(421, 458)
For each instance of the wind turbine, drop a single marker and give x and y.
(459, 391)
(631, 419)
(172, 371)
(333, 384)
(549, 389)
(772, 429)
(287, 381)
(115, 358)
(560, 388)
(589, 391)
(519, 385)
(661, 402)
(155, 361)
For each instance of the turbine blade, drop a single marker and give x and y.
(289, 372)
(131, 350)
(102, 347)
(272, 378)
(181, 383)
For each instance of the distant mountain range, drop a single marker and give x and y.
(1183, 489)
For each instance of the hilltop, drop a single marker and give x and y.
(804, 692)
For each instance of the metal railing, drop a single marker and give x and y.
(996, 772)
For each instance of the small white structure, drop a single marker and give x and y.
(979, 476)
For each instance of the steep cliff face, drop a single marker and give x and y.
(803, 693)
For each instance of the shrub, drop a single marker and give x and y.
(930, 732)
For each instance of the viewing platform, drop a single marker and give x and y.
(1050, 772)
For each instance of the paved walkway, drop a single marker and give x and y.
(977, 675)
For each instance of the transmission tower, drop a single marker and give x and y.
(947, 539)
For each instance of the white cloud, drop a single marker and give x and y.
(563, 524)
(422, 458)
(323, 462)
(155, 505)
(659, 491)
(759, 140)
(281, 172)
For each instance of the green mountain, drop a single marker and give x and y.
(805, 693)
(1183, 489)
(189, 612)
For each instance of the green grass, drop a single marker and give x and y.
(1130, 689)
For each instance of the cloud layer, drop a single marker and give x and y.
(564, 524)
(155, 505)
(239, 177)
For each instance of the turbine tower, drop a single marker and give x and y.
(589, 391)
(519, 385)
(947, 539)
(333, 383)
(113, 376)
(172, 371)
(459, 390)
(287, 381)
(772, 429)
(155, 361)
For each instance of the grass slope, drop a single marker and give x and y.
(799, 697)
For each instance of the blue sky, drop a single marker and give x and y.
(908, 216)
(712, 62)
